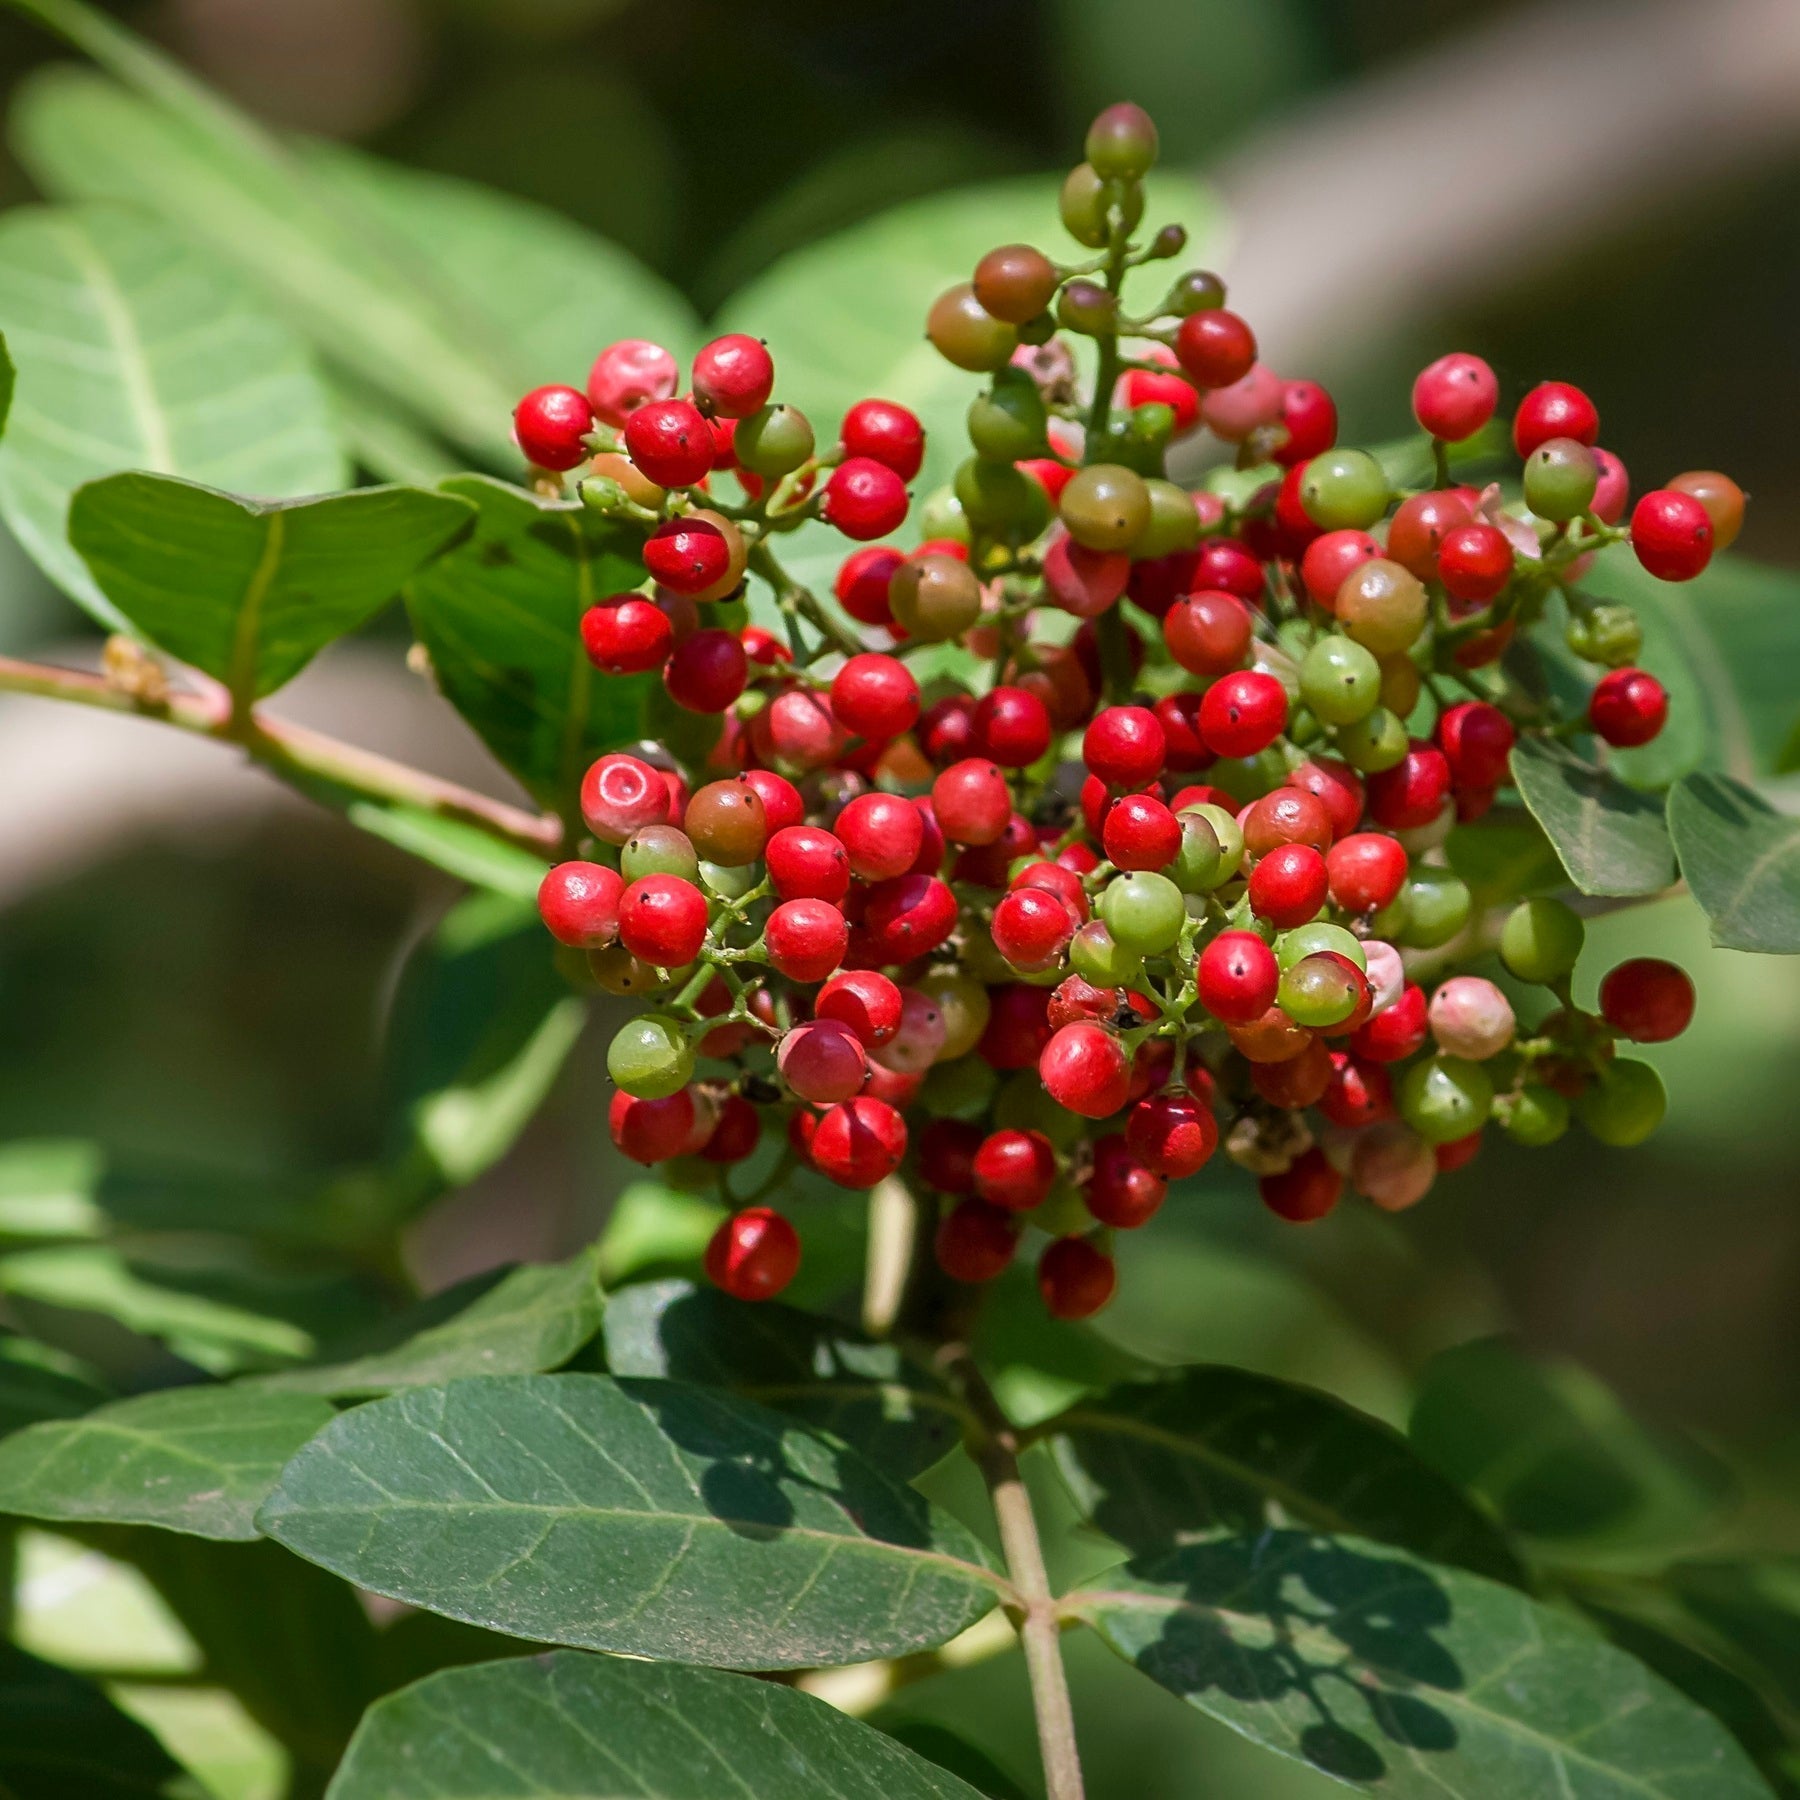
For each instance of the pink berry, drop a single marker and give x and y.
(627, 374)
(1455, 396)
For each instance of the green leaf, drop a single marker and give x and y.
(1742, 861)
(653, 1228)
(865, 1392)
(501, 616)
(48, 1187)
(37, 1383)
(636, 1516)
(136, 352)
(250, 591)
(1611, 838)
(534, 1318)
(1557, 1456)
(1408, 1680)
(465, 851)
(60, 1737)
(1754, 1607)
(1211, 1449)
(594, 1728)
(198, 1460)
(1503, 856)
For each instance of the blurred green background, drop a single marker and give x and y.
(195, 970)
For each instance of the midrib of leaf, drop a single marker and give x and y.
(246, 637)
(1330, 1648)
(115, 317)
(1772, 857)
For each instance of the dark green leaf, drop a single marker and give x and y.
(465, 851)
(1214, 1449)
(1754, 1606)
(1742, 860)
(136, 352)
(638, 1516)
(865, 1392)
(1556, 1455)
(501, 617)
(938, 1744)
(594, 1728)
(536, 1317)
(1611, 838)
(1504, 855)
(1408, 1680)
(250, 591)
(62, 1739)
(195, 1459)
(38, 1383)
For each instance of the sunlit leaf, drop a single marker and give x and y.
(1742, 859)
(1611, 838)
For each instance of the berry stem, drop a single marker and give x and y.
(797, 601)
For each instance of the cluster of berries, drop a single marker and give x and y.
(1162, 862)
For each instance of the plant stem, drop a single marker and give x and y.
(304, 758)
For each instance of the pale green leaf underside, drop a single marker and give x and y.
(136, 352)
(1742, 859)
(637, 1516)
(1611, 838)
(249, 591)
(1408, 1680)
(198, 1460)
(574, 1727)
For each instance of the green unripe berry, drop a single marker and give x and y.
(1228, 832)
(965, 333)
(1195, 290)
(935, 597)
(1001, 500)
(1148, 429)
(1437, 908)
(1097, 956)
(1317, 992)
(1610, 635)
(1624, 1104)
(1105, 506)
(1445, 1098)
(1560, 478)
(1122, 141)
(1143, 911)
(1535, 1116)
(773, 441)
(1383, 607)
(959, 1089)
(1321, 934)
(1174, 524)
(650, 1058)
(1340, 680)
(1541, 940)
(729, 883)
(1085, 306)
(1344, 489)
(658, 850)
(941, 515)
(1195, 869)
(1374, 742)
(1082, 204)
(1008, 422)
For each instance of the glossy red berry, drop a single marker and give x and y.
(1628, 707)
(1243, 713)
(1647, 1000)
(754, 1254)
(881, 834)
(579, 904)
(1237, 977)
(652, 1131)
(662, 920)
(806, 939)
(1331, 559)
(550, 423)
(1215, 347)
(862, 583)
(1474, 562)
(1014, 1169)
(627, 374)
(736, 1135)
(1306, 1190)
(1554, 409)
(1287, 887)
(1151, 387)
(1209, 633)
(823, 1060)
(1366, 871)
(1012, 727)
(627, 635)
(865, 498)
(1084, 1068)
(875, 696)
(668, 440)
(1412, 793)
(687, 556)
(1310, 417)
(734, 376)
(1394, 1033)
(806, 862)
(1032, 928)
(1477, 741)
(908, 917)
(1672, 534)
(1124, 746)
(976, 1242)
(1077, 1278)
(782, 805)
(865, 1000)
(887, 434)
(1418, 528)
(707, 671)
(1286, 815)
(1123, 1191)
(1141, 833)
(1455, 396)
(971, 801)
(620, 795)
(1173, 1134)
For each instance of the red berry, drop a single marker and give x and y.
(887, 434)
(1310, 415)
(806, 862)
(734, 376)
(651, 1131)
(1412, 793)
(881, 834)
(1456, 1154)
(1209, 632)
(908, 917)
(550, 423)
(1337, 786)
(1230, 566)
(1647, 1000)
(866, 1001)
(1077, 998)
(1628, 707)
(1032, 928)
(1366, 871)
(1075, 1278)
(947, 1155)
(737, 1134)
(1122, 1191)
(930, 859)
(865, 499)
(1554, 409)
(1124, 746)
(862, 583)
(1243, 713)
(1215, 347)
(1017, 1028)
(806, 939)
(1672, 534)
(1237, 977)
(1287, 887)
(875, 696)
(662, 920)
(668, 440)
(1084, 1068)
(1141, 833)
(1360, 1093)
(1475, 562)
(627, 374)
(754, 1254)
(1477, 741)
(1286, 815)
(1306, 1190)
(1012, 727)
(1179, 716)
(782, 805)
(620, 795)
(1417, 530)
(976, 1242)
(798, 730)
(1014, 1169)
(707, 671)
(823, 1060)
(1455, 396)
(579, 904)
(626, 635)
(1173, 1134)
(1150, 387)
(1329, 561)
(1395, 1032)
(687, 555)
(986, 865)
(972, 802)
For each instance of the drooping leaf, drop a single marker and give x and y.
(136, 352)
(1558, 1457)
(639, 1516)
(1742, 859)
(1611, 838)
(250, 591)
(61, 1737)
(595, 1728)
(195, 1459)
(39, 1383)
(1406, 1679)
(465, 851)
(501, 615)
(1220, 1449)
(534, 1318)
(865, 1392)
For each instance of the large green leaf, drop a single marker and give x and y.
(48, 1188)
(465, 851)
(573, 1727)
(62, 1739)
(1156, 1463)
(1742, 860)
(866, 1392)
(250, 591)
(38, 1383)
(501, 616)
(1611, 838)
(534, 1318)
(638, 1516)
(194, 1459)
(135, 351)
(1405, 1679)
(1504, 855)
